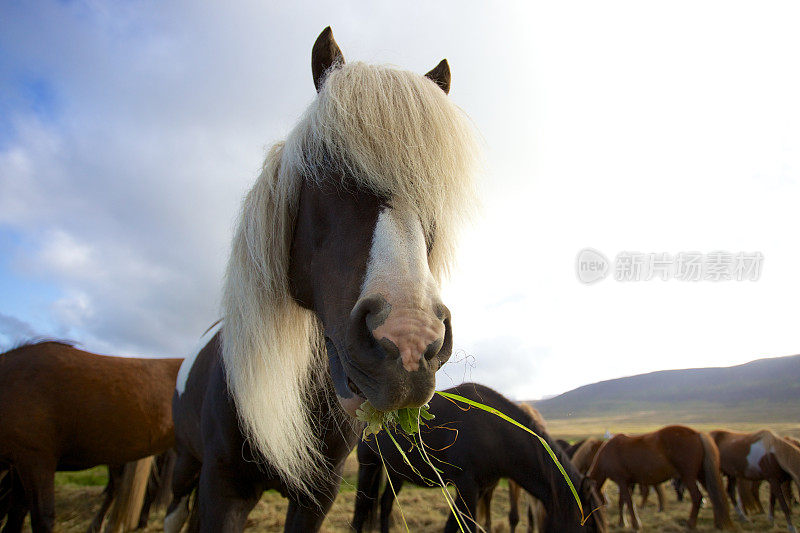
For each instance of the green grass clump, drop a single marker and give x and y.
(408, 419)
(97, 476)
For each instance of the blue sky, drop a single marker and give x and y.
(129, 133)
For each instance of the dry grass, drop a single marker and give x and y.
(425, 509)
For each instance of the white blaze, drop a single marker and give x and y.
(398, 270)
(398, 261)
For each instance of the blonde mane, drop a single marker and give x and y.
(385, 130)
(585, 454)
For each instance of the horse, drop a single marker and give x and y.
(658, 456)
(759, 455)
(66, 409)
(472, 450)
(119, 481)
(331, 294)
(534, 510)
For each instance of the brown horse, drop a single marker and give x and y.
(657, 457)
(755, 456)
(332, 293)
(66, 409)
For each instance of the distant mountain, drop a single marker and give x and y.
(766, 383)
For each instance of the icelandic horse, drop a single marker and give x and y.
(534, 510)
(657, 457)
(472, 450)
(331, 295)
(66, 409)
(756, 456)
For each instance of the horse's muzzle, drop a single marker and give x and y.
(392, 355)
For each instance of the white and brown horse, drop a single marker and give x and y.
(756, 456)
(65, 409)
(331, 295)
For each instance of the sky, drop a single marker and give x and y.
(130, 131)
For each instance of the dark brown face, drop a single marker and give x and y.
(361, 265)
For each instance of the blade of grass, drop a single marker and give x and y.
(391, 485)
(450, 502)
(456, 397)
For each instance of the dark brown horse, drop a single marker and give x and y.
(331, 296)
(66, 409)
(657, 457)
(756, 456)
(474, 449)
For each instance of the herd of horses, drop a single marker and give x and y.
(331, 299)
(66, 428)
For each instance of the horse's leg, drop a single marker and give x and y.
(535, 514)
(625, 493)
(786, 489)
(15, 518)
(367, 493)
(306, 514)
(772, 499)
(151, 493)
(17, 510)
(660, 494)
(644, 490)
(775, 487)
(732, 494)
(513, 502)
(387, 500)
(224, 500)
(38, 478)
(484, 508)
(697, 499)
(621, 506)
(114, 476)
(183, 481)
(465, 503)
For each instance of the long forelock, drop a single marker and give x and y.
(397, 134)
(391, 132)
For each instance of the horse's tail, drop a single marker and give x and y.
(713, 483)
(129, 498)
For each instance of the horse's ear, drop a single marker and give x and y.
(325, 56)
(440, 74)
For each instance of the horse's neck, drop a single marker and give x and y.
(549, 485)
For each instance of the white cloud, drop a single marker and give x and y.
(621, 127)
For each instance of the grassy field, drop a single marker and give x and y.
(78, 494)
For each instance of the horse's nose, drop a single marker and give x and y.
(403, 332)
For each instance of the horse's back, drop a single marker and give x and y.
(81, 407)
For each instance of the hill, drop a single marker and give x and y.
(768, 388)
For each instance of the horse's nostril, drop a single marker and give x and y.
(434, 348)
(390, 348)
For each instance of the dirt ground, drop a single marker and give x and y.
(424, 509)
